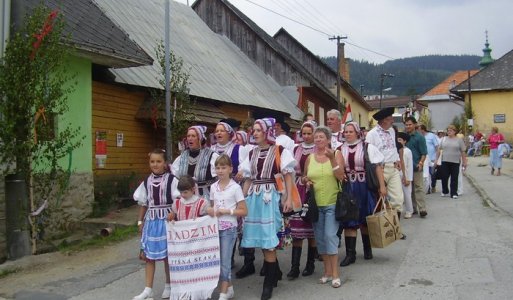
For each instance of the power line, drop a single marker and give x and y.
(315, 29)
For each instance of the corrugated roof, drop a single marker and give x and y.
(218, 69)
(442, 90)
(92, 33)
(497, 76)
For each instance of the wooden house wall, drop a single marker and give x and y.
(114, 109)
(311, 63)
(222, 21)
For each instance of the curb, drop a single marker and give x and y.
(484, 196)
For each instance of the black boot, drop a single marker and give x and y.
(367, 249)
(350, 251)
(278, 273)
(269, 281)
(249, 267)
(294, 264)
(310, 262)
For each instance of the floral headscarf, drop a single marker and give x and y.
(200, 131)
(243, 136)
(356, 128)
(267, 125)
(228, 128)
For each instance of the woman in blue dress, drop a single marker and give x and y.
(353, 153)
(264, 219)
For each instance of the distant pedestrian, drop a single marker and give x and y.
(452, 150)
(406, 174)
(494, 140)
(228, 203)
(418, 147)
(155, 197)
(432, 142)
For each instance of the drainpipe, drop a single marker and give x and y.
(5, 24)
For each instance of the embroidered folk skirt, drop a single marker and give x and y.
(300, 229)
(263, 222)
(154, 239)
(366, 203)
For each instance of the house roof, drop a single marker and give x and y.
(496, 76)
(277, 47)
(442, 90)
(92, 33)
(325, 66)
(218, 69)
(393, 102)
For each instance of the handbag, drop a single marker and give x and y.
(310, 211)
(383, 225)
(346, 208)
(281, 188)
(371, 178)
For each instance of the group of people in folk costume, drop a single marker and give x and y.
(235, 179)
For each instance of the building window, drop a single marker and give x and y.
(311, 107)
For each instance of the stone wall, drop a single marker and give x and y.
(76, 204)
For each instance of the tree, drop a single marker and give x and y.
(182, 114)
(34, 87)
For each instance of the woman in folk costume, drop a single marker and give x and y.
(197, 160)
(155, 196)
(264, 218)
(353, 151)
(301, 229)
(225, 136)
(241, 138)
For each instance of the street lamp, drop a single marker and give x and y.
(382, 78)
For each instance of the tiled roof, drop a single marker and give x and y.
(497, 76)
(218, 69)
(392, 102)
(92, 33)
(444, 87)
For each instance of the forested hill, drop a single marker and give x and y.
(412, 76)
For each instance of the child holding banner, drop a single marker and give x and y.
(155, 196)
(228, 203)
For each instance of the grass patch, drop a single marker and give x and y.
(7, 272)
(119, 234)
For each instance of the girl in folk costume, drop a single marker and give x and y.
(241, 138)
(228, 203)
(353, 151)
(155, 196)
(301, 229)
(264, 218)
(197, 160)
(188, 207)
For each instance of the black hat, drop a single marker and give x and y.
(383, 113)
(232, 122)
(404, 136)
(285, 127)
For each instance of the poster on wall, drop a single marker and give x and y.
(499, 118)
(101, 149)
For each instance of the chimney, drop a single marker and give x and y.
(343, 63)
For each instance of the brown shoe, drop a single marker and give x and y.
(423, 214)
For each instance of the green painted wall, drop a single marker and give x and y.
(80, 115)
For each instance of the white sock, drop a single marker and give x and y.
(147, 290)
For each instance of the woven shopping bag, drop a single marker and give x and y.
(383, 225)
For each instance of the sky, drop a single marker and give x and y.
(380, 30)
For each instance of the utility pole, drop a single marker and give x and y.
(340, 47)
(382, 78)
(169, 142)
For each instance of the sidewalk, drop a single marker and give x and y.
(496, 191)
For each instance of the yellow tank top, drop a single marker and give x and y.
(325, 183)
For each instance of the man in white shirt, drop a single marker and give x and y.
(335, 125)
(281, 130)
(383, 137)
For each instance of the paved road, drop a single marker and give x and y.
(462, 250)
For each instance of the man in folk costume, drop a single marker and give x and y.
(197, 160)
(382, 136)
(335, 125)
